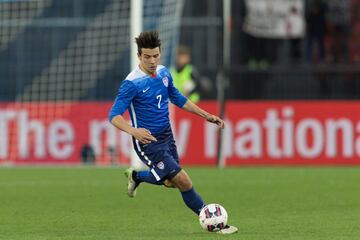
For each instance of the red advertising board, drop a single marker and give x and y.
(256, 133)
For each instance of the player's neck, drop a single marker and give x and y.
(151, 74)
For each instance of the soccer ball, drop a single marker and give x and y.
(213, 217)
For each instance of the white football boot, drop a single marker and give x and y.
(228, 230)
(132, 184)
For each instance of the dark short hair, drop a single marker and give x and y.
(149, 39)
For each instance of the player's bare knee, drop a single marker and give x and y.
(182, 181)
(185, 185)
(169, 184)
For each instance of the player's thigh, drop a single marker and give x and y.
(182, 181)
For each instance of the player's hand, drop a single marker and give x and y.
(143, 135)
(215, 119)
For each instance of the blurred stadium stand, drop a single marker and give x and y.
(285, 78)
(31, 48)
(42, 41)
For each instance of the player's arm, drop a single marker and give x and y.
(126, 93)
(141, 134)
(182, 102)
(193, 108)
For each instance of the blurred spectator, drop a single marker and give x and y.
(260, 51)
(296, 42)
(354, 46)
(112, 154)
(267, 24)
(87, 154)
(186, 77)
(339, 25)
(295, 50)
(315, 16)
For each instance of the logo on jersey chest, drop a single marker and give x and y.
(145, 90)
(165, 81)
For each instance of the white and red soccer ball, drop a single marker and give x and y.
(213, 217)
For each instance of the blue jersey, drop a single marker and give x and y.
(147, 97)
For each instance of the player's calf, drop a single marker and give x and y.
(182, 181)
(193, 200)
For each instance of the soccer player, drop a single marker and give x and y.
(145, 93)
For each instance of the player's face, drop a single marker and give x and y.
(149, 59)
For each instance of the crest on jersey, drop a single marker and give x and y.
(165, 81)
(160, 165)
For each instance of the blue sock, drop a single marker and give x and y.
(193, 200)
(146, 176)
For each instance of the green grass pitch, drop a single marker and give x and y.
(264, 203)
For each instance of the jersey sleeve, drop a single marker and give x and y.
(126, 93)
(174, 94)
